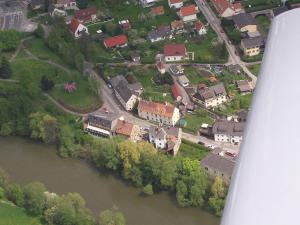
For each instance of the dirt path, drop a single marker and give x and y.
(19, 48)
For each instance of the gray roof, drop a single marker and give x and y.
(244, 86)
(123, 90)
(51, 8)
(162, 32)
(280, 10)
(103, 119)
(218, 163)
(136, 88)
(114, 81)
(253, 42)
(212, 92)
(243, 19)
(234, 68)
(163, 131)
(228, 127)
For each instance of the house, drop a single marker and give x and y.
(176, 70)
(177, 26)
(244, 22)
(175, 52)
(102, 123)
(166, 114)
(147, 3)
(160, 33)
(211, 96)
(175, 89)
(219, 163)
(37, 4)
(161, 67)
(236, 68)
(124, 24)
(86, 15)
(188, 13)
(127, 129)
(158, 11)
(77, 28)
(227, 9)
(183, 81)
(119, 41)
(167, 138)
(135, 57)
(242, 116)
(177, 4)
(252, 46)
(228, 131)
(200, 28)
(66, 4)
(244, 86)
(126, 93)
(277, 11)
(56, 12)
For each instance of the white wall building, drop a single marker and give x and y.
(177, 4)
(228, 131)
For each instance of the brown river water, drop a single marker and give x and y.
(26, 161)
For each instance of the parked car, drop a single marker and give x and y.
(210, 146)
(201, 143)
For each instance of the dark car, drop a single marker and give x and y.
(201, 143)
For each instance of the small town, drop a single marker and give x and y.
(140, 88)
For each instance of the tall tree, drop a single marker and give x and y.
(34, 197)
(111, 217)
(46, 84)
(5, 69)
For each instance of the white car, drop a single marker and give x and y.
(210, 146)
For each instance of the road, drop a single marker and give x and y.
(215, 24)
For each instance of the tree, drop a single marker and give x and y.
(3, 178)
(14, 193)
(1, 193)
(218, 189)
(34, 198)
(46, 84)
(5, 69)
(218, 194)
(39, 32)
(111, 217)
(169, 174)
(82, 4)
(43, 127)
(9, 40)
(148, 189)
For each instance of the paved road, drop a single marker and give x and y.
(215, 23)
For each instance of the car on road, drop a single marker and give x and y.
(210, 146)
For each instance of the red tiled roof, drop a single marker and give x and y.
(115, 41)
(188, 10)
(74, 24)
(175, 91)
(177, 24)
(124, 128)
(85, 14)
(174, 50)
(222, 5)
(199, 25)
(159, 10)
(237, 6)
(175, 1)
(165, 110)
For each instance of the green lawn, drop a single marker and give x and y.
(194, 120)
(255, 69)
(192, 150)
(196, 76)
(12, 215)
(263, 22)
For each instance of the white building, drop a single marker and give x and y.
(177, 4)
(77, 28)
(228, 131)
(211, 96)
(175, 52)
(166, 114)
(200, 28)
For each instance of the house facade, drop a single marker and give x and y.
(165, 114)
(227, 9)
(252, 46)
(188, 13)
(167, 138)
(86, 15)
(175, 52)
(212, 96)
(200, 28)
(77, 28)
(119, 41)
(228, 131)
(160, 34)
(176, 4)
(127, 129)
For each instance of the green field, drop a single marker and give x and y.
(196, 76)
(192, 150)
(194, 120)
(12, 215)
(255, 69)
(263, 22)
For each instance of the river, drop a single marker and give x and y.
(26, 161)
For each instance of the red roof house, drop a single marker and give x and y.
(175, 52)
(86, 15)
(161, 67)
(176, 92)
(116, 41)
(188, 13)
(158, 11)
(200, 28)
(225, 8)
(77, 28)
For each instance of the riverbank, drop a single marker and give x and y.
(26, 161)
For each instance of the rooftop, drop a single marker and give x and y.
(243, 19)
(228, 127)
(115, 41)
(174, 50)
(253, 42)
(188, 10)
(165, 110)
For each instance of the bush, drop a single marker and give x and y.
(148, 189)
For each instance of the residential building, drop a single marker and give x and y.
(56, 12)
(126, 93)
(227, 9)
(161, 67)
(135, 57)
(161, 33)
(127, 129)
(211, 96)
(66, 4)
(183, 81)
(219, 163)
(175, 89)
(158, 11)
(175, 52)
(277, 11)
(147, 3)
(77, 28)
(166, 114)
(236, 68)
(124, 25)
(252, 46)
(176, 70)
(188, 13)
(86, 15)
(228, 131)
(244, 86)
(37, 4)
(176, 4)
(167, 138)
(177, 26)
(102, 123)
(244, 22)
(200, 28)
(119, 41)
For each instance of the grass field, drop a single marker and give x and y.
(255, 69)
(196, 76)
(194, 121)
(12, 215)
(192, 150)
(264, 22)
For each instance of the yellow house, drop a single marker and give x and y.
(252, 46)
(244, 22)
